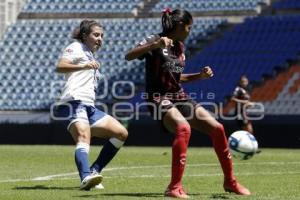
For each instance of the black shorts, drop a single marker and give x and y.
(158, 109)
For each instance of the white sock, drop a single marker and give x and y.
(116, 142)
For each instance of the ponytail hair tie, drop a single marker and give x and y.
(167, 10)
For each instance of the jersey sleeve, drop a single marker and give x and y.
(148, 39)
(72, 52)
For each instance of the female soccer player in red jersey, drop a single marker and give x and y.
(241, 97)
(165, 60)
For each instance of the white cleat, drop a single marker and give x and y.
(91, 181)
(99, 186)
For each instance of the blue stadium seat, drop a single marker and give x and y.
(75, 6)
(287, 4)
(208, 5)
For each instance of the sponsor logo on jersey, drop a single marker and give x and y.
(173, 66)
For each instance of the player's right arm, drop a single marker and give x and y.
(70, 60)
(146, 46)
(65, 66)
(237, 97)
(244, 102)
(239, 100)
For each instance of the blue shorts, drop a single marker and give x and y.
(74, 111)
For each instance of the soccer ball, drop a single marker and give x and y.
(242, 145)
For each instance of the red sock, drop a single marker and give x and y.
(221, 148)
(179, 149)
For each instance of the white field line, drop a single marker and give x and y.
(64, 176)
(208, 175)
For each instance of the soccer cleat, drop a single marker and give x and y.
(91, 181)
(235, 187)
(99, 186)
(176, 192)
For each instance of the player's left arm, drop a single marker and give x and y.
(205, 73)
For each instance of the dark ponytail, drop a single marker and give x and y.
(170, 19)
(85, 27)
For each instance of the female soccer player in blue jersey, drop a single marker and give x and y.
(165, 61)
(76, 103)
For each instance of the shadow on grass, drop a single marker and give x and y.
(43, 187)
(122, 194)
(141, 195)
(220, 196)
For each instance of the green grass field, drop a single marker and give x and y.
(49, 172)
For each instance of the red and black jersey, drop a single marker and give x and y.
(164, 67)
(241, 93)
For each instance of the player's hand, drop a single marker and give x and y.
(92, 65)
(206, 72)
(164, 42)
(249, 104)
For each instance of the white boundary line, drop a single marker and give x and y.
(65, 176)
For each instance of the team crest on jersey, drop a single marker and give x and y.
(69, 50)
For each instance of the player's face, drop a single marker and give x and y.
(244, 82)
(94, 40)
(184, 31)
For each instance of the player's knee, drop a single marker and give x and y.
(122, 134)
(82, 134)
(218, 128)
(119, 139)
(83, 138)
